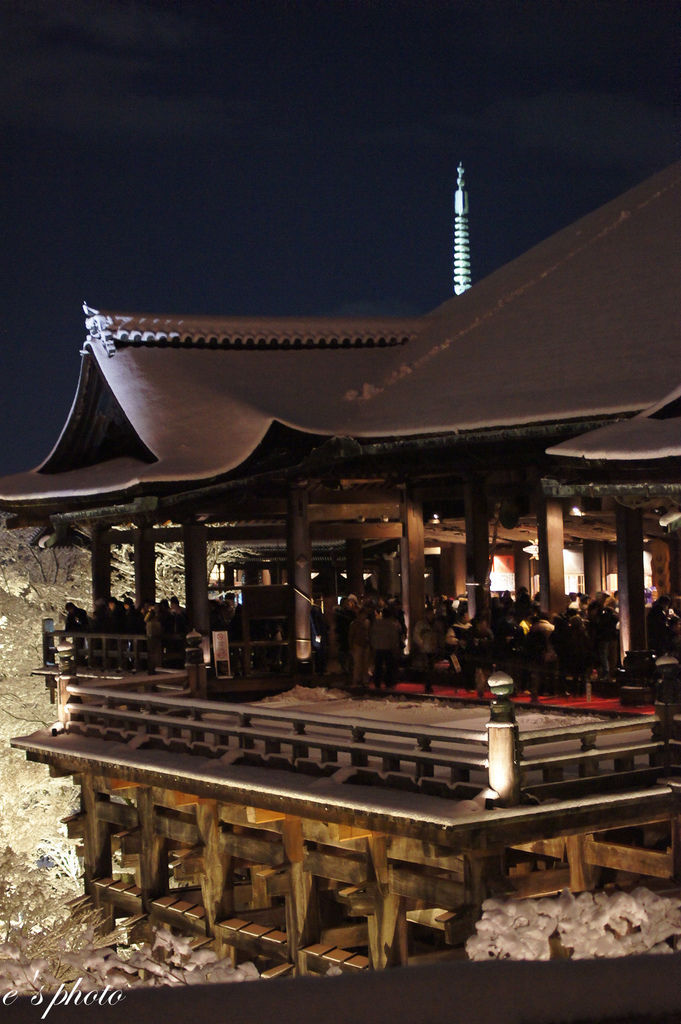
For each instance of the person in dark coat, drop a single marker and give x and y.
(75, 619)
(115, 616)
(385, 638)
(660, 626)
(133, 620)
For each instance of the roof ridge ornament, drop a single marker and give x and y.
(462, 245)
(98, 326)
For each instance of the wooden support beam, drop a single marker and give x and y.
(628, 858)
(413, 562)
(180, 830)
(354, 565)
(452, 569)
(260, 815)
(541, 883)
(251, 848)
(544, 847)
(302, 909)
(96, 833)
(630, 583)
(216, 890)
(118, 785)
(387, 926)
(299, 563)
(521, 563)
(436, 890)
(355, 531)
(582, 874)
(101, 564)
(153, 851)
(551, 541)
(477, 544)
(196, 575)
(594, 566)
(348, 868)
(237, 814)
(122, 815)
(417, 852)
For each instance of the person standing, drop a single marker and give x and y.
(385, 637)
(360, 647)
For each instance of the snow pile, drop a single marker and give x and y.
(585, 926)
(168, 960)
(528, 720)
(304, 695)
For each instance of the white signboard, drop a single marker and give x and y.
(223, 667)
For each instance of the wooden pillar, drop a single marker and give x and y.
(412, 561)
(388, 576)
(551, 569)
(216, 889)
(583, 876)
(196, 575)
(354, 566)
(97, 835)
(302, 910)
(448, 570)
(521, 565)
(387, 926)
(101, 565)
(660, 564)
(477, 545)
(145, 566)
(675, 562)
(153, 851)
(459, 569)
(299, 559)
(629, 525)
(594, 566)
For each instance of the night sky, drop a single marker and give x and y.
(292, 157)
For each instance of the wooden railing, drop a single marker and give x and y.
(129, 652)
(121, 652)
(563, 761)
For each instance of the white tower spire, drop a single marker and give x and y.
(462, 247)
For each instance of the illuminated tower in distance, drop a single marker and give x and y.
(462, 245)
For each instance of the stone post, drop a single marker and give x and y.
(503, 744)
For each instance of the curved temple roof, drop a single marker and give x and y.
(653, 434)
(583, 325)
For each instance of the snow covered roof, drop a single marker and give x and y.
(653, 434)
(583, 325)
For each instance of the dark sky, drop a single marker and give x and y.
(292, 157)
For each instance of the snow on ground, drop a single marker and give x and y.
(414, 712)
(585, 926)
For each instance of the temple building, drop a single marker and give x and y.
(506, 431)
(525, 433)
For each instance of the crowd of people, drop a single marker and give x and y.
(546, 653)
(369, 636)
(122, 616)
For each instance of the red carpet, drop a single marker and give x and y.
(572, 703)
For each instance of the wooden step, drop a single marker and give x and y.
(278, 971)
(320, 957)
(124, 895)
(254, 938)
